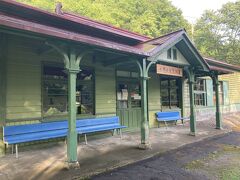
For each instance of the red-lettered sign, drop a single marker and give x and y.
(168, 70)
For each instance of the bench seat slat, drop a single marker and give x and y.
(97, 129)
(35, 136)
(175, 118)
(98, 121)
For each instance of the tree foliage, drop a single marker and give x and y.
(218, 33)
(149, 17)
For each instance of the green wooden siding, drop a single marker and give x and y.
(23, 81)
(105, 91)
(154, 93)
(154, 102)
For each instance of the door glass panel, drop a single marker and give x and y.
(122, 95)
(135, 93)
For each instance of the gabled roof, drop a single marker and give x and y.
(178, 38)
(164, 38)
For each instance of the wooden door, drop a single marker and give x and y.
(129, 104)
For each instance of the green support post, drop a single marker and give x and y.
(3, 87)
(182, 97)
(72, 69)
(191, 81)
(72, 66)
(145, 144)
(218, 109)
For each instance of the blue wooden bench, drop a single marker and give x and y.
(169, 116)
(86, 126)
(14, 135)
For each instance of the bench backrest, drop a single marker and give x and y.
(168, 114)
(57, 125)
(98, 121)
(33, 128)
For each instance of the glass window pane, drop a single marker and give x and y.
(122, 95)
(174, 54)
(55, 88)
(169, 53)
(54, 91)
(164, 93)
(84, 99)
(169, 93)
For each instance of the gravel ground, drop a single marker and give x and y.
(214, 158)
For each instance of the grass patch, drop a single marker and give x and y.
(230, 173)
(223, 164)
(197, 164)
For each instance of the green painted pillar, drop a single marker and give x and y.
(72, 70)
(218, 109)
(3, 86)
(145, 144)
(192, 104)
(182, 92)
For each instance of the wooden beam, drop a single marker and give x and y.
(44, 49)
(118, 61)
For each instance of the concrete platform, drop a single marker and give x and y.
(48, 161)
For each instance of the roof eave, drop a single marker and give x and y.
(224, 65)
(18, 24)
(96, 25)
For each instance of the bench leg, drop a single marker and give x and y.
(166, 124)
(79, 138)
(176, 122)
(113, 132)
(16, 146)
(12, 148)
(120, 130)
(5, 148)
(85, 136)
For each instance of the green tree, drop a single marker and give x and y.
(149, 17)
(217, 33)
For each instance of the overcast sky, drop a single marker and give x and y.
(193, 9)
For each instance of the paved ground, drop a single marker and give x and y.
(188, 162)
(48, 161)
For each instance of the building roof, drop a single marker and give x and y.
(70, 22)
(221, 67)
(23, 25)
(23, 18)
(106, 27)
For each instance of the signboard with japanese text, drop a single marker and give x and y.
(169, 70)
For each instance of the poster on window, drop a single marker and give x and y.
(124, 94)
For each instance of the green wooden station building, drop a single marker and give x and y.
(57, 66)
